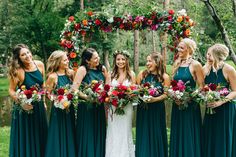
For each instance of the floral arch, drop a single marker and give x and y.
(176, 25)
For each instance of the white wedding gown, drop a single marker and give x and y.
(119, 141)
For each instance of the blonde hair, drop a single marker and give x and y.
(157, 57)
(54, 62)
(219, 53)
(191, 47)
(16, 62)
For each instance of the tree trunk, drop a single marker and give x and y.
(81, 4)
(221, 27)
(163, 37)
(136, 51)
(234, 7)
(106, 60)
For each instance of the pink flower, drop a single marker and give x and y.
(181, 85)
(224, 92)
(153, 92)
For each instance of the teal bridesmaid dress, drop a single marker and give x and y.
(91, 124)
(29, 131)
(151, 136)
(218, 129)
(61, 132)
(185, 137)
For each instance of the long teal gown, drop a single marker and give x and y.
(29, 131)
(218, 128)
(61, 132)
(151, 136)
(185, 137)
(91, 124)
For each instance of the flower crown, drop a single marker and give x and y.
(123, 52)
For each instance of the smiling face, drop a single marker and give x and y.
(94, 61)
(209, 57)
(151, 64)
(25, 56)
(183, 51)
(64, 64)
(121, 61)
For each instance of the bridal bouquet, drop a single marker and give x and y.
(179, 92)
(27, 96)
(147, 91)
(63, 97)
(210, 93)
(122, 95)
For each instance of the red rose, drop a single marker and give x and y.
(175, 88)
(95, 87)
(171, 12)
(60, 97)
(149, 22)
(122, 26)
(114, 102)
(98, 22)
(114, 92)
(174, 83)
(205, 89)
(83, 32)
(121, 95)
(60, 91)
(107, 87)
(71, 18)
(70, 96)
(169, 18)
(28, 93)
(212, 86)
(77, 26)
(33, 88)
(68, 45)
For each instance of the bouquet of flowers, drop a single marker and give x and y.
(27, 96)
(121, 96)
(96, 91)
(147, 91)
(179, 92)
(63, 97)
(210, 93)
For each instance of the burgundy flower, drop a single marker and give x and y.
(146, 85)
(60, 91)
(70, 96)
(28, 93)
(212, 86)
(60, 97)
(33, 88)
(121, 95)
(174, 83)
(95, 87)
(107, 87)
(77, 26)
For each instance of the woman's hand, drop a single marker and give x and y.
(215, 104)
(27, 107)
(152, 100)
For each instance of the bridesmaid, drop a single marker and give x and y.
(218, 133)
(61, 133)
(186, 124)
(28, 130)
(151, 136)
(91, 122)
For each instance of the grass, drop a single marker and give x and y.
(4, 85)
(4, 141)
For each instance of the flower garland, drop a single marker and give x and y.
(177, 25)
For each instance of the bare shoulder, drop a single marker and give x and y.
(39, 63)
(228, 68)
(196, 63)
(166, 76)
(52, 77)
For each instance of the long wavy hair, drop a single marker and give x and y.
(54, 61)
(219, 53)
(191, 47)
(115, 73)
(160, 70)
(86, 56)
(16, 62)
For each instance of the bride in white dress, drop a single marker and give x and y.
(119, 141)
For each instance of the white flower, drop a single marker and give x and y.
(182, 13)
(110, 20)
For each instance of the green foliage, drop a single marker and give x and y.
(4, 141)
